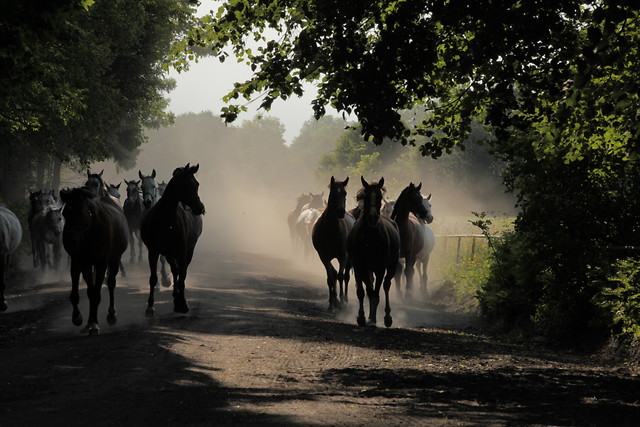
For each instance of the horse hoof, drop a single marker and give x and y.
(151, 312)
(361, 321)
(166, 282)
(112, 319)
(182, 308)
(77, 319)
(94, 330)
(388, 321)
(372, 324)
(3, 305)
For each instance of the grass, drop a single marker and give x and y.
(463, 263)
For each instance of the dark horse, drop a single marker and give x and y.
(95, 236)
(171, 227)
(374, 249)
(412, 235)
(133, 209)
(10, 236)
(329, 236)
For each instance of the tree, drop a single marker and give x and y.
(81, 80)
(556, 83)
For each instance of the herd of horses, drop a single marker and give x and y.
(374, 239)
(378, 239)
(95, 228)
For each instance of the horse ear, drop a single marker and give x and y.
(118, 186)
(140, 174)
(365, 184)
(101, 172)
(138, 182)
(333, 180)
(63, 195)
(153, 174)
(429, 198)
(195, 168)
(419, 187)
(381, 182)
(88, 173)
(345, 182)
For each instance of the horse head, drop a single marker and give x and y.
(133, 189)
(149, 189)
(426, 201)
(337, 196)
(95, 184)
(114, 190)
(410, 200)
(55, 221)
(184, 186)
(372, 200)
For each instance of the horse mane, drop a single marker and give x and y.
(399, 200)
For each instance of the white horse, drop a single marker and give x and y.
(307, 218)
(10, 237)
(422, 259)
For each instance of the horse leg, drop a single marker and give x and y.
(111, 285)
(166, 282)
(140, 244)
(373, 293)
(343, 279)
(34, 249)
(423, 275)
(42, 255)
(94, 279)
(179, 272)
(76, 316)
(4, 262)
(132, 251)
(398, 279)
(153, 281)
(360, 294)
(331, 282)
(388, 321)
(409, 270)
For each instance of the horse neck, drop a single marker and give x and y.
(401, 209)
(332, 207)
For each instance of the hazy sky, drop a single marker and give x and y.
(203, 86)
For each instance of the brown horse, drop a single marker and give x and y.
(412, 236)
(95, 237)
(171, 227)
(329, 236)
(374, 248)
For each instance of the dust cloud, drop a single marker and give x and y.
(249, 187)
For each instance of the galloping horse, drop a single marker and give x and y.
(308, 216)
(150, 195)
(412, 234)
(171, 227)
(133, 209)
(38, 202)
(95, 236)
(46, 229)
(10, 236)
(329, 236)
(422, 259)
(373, 246)
(292, 219)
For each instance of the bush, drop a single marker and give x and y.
(620, 298)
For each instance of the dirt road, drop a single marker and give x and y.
(259, 348)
